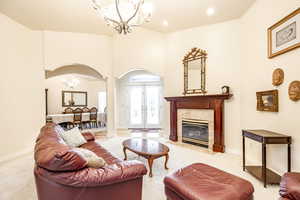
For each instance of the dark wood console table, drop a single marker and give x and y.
(266, 137)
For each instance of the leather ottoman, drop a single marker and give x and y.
(203, 182)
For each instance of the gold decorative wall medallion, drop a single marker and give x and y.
(294, 91)
(278, 77)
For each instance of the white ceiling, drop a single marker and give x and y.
(79, 16)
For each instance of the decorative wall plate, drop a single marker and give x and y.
(278, 77)
(294, 90)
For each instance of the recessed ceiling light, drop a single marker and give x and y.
(210, 11)
(165, 23)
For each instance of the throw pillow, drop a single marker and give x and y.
(93, 160)
(59, 130)
(73, 137)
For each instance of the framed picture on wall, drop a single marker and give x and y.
(267, 101)
(284, 36)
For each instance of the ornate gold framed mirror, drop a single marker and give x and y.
(195, 72)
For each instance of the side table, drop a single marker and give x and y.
(266, 137)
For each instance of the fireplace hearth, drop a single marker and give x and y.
(195, 132)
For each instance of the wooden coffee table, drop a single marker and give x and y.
(148, 149)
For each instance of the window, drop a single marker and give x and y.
(144, 78)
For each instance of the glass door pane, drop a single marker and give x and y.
(152, 101)
(136, 107)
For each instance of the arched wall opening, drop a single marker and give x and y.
(74, 69)
(139, 104)
(82, 83)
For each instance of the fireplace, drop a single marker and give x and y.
(195, 132)
(213, 102)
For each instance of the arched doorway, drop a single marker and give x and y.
(140, 100)
(74, 69)
(76, 83)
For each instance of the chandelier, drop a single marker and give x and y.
(123, 15)
(71, 83)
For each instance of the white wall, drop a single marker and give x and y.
(21, 86)
(257, 76)
(141, 49)
(63, 48)
(237, 56)
(55, 86)
(222, 43)
(162, 54)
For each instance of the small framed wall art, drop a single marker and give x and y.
(284, 36)
(267, 101)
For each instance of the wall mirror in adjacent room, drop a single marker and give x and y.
(195, 72)
(74, 98)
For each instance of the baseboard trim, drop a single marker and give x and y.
(122, 129)
(13, 156)
(233, 151)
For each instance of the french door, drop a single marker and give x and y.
(145, 106)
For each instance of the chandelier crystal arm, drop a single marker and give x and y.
(118, 10)
(111, 20)
(135, 13)
(96, 6)
(135, 25)
(123, 14)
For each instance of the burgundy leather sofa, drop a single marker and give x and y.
(290, 186)
(60, 173)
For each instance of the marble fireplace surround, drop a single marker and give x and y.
(198, 114)
(213, 102)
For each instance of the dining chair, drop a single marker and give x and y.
(86, 122)
(94, 117)
(67, 125)
(85, 110)
(68, 110)
(77, 117)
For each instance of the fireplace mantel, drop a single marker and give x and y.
(213, 101)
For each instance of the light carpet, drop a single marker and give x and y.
(17, 181)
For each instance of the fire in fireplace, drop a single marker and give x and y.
(195, 132)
